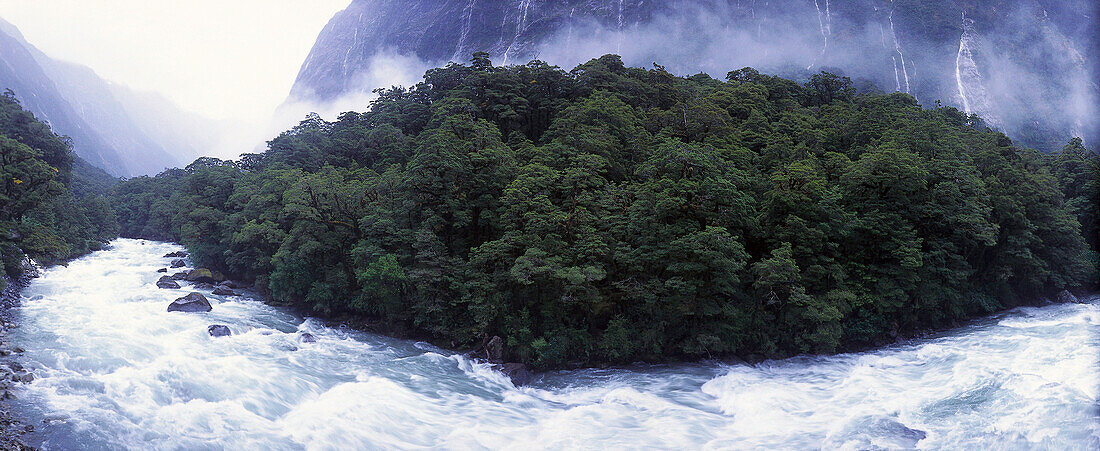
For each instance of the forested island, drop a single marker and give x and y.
(609, 214)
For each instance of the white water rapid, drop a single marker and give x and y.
(115, 370)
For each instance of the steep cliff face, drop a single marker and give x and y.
(107, 127)
(1026, 67)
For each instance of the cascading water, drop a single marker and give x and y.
(968, 78)
(464, 35)
(824, 22)
(521, 25)
(115, 370)
(897, 49)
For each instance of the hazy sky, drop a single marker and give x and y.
(221, 58)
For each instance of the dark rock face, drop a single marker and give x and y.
(223, 291)
(193, 302)
(517, 372)
(176, 254)
(203, 275)
(307, 337)
(959, 52)
(179, 276)
(178, 263)
(162, 270)
(219, 330)
(494, 350)
(167, 282)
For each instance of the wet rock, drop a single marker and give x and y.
(177, 254)
(223, 291)
(178, 263)
(162, 270)
(26, 378)
(1065, 296)
(204, 286)
(7, 395)
(167, 283)
(219, 330)
(180, 276)
(306, 337)
(235, 284)
(18, 350)
(193, 302)
(204, 275)
(517, 372)
(494, 349)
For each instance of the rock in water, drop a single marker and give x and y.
(178, 263)
(176, 254)
(517, 372)
(162, 270)
(167, 282)
(219, 330)
(179, 276)
(307, 337)
(203, 275)
(193, 302)
(1065, 296)
(223, 291)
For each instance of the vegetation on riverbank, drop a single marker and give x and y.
(611, 214)
(52, 204)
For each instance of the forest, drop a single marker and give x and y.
(53, 205)
(610, 214)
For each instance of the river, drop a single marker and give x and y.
(114, 370)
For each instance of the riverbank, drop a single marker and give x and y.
(12, 426)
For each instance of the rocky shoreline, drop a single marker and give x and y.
(12, 427)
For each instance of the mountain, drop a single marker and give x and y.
(117, 129)
(1026, 67)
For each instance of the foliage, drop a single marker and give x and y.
(613, 214)
(39, 214)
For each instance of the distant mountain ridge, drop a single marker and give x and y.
(1027, 67)
(122, 131)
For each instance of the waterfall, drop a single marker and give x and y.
(824, 23)
(467, 18)
(619, 44)
(520, 27)
(897, 49)
(965, 58)
(354, 41)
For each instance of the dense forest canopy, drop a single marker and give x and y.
(611, 214)
(53, 205)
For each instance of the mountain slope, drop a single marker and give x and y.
(1025, 67)
(111, 126)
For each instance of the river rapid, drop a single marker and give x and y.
(115, 370)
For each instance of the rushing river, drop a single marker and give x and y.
(115, 370)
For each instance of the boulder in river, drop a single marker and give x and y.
(517, 372)
(1065, 296)
(203, 275)
(307, 337)
(176, 254)
(193, 302)
(180, 276)
(178, 263)
(219, 330)
(162, 270)
(221, 290)
(167, 282)
(234, 284)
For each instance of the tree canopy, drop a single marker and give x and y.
(612, 214)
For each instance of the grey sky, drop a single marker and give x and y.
(221, 58)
